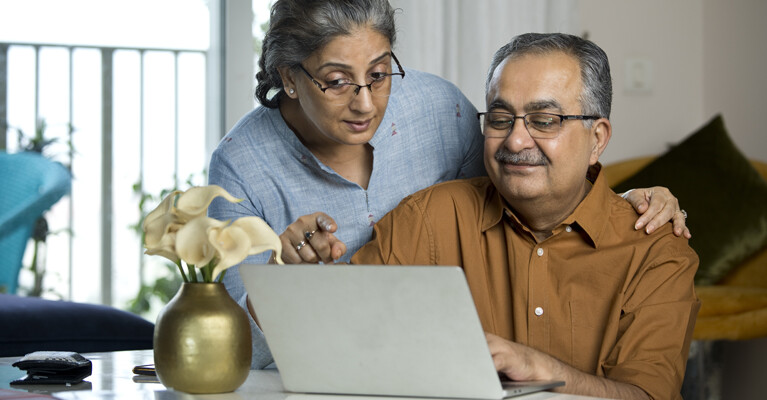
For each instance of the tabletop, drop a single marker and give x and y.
(113, 378)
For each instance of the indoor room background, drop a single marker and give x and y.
(675, 65)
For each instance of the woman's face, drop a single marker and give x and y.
(323, 119)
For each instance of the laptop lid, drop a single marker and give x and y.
(375, 330)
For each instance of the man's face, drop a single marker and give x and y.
(549, 171)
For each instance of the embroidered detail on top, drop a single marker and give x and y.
(458, 110)
(393, 129)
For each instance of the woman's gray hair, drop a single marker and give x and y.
(298, 28)
(596, 97)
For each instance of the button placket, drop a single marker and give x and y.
(537, 333)
(538, 311)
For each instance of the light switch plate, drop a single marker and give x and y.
(639, 76)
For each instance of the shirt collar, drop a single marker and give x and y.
(589, 216)
(495, 207)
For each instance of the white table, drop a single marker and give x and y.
(113, 378)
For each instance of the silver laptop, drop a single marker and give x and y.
(376, 330)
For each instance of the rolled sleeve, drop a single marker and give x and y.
(656, 323)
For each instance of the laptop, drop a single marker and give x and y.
(408, 331)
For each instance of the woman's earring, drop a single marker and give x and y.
(292, 91)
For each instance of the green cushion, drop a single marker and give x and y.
(724, 196)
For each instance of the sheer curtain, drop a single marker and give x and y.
(456, 39)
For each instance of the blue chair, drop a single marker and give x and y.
(29, 185)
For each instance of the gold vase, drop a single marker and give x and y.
(202, 341)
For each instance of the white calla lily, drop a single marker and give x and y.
(232, 244)
(262, 237)
(155, 230)
(165, 247)
(192, 244)
(194, 202)
(163, 209)
(179, 230)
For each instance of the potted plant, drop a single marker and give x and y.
(202, 341)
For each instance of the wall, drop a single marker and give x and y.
(668, 35)
(734, 60)
(706, 56)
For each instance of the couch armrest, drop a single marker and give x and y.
(620, 171)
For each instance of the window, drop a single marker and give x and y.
(130, 78)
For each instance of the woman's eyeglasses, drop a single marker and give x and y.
(342, 92)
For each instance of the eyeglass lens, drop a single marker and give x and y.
(539, 125)
(379, 85)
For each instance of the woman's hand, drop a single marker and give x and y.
(657, 206)
(310, 239)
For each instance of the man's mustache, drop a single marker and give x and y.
(525, 157)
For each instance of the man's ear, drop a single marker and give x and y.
(601, 130)
(286, 74)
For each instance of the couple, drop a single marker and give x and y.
(564, 283)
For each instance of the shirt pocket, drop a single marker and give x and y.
(588, 325)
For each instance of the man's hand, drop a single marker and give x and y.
(519, 362)
(523, 363)
(310, 239)
(657, 206)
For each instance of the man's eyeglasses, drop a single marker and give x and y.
(341, 91)
(538, 125)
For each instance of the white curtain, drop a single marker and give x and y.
(456, 39)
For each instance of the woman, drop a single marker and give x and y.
(345, 133)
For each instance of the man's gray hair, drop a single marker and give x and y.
(597, 94)
(298, 28)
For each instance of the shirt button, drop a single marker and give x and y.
(538, 311)
(568, 228)
(539, 252)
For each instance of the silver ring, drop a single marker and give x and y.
(300, 245)
(684, 213)
(308, 235)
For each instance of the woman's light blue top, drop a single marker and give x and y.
(429, 134)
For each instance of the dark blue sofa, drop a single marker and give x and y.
(30, 324)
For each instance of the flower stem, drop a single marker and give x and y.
(192, 273)
(180, 268)
(221, 276)
(207, 272)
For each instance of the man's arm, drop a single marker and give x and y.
(523, 363)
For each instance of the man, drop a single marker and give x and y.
(564, 287)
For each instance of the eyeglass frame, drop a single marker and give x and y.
(359, 87)
(514, 118)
